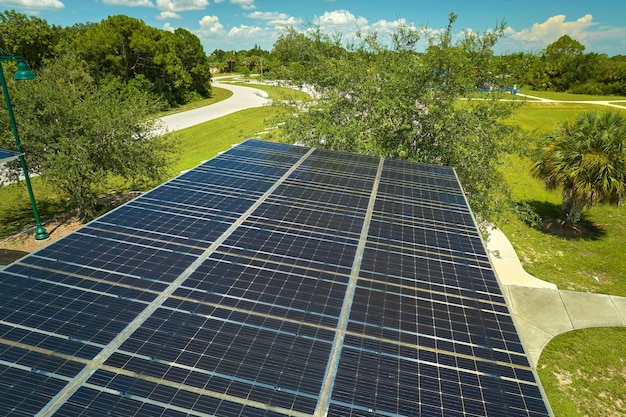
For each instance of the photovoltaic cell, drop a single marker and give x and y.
(273, 280)
(7, 156)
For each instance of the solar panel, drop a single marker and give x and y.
(7, 156)
(272, 280)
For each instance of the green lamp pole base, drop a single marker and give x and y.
(41, 233)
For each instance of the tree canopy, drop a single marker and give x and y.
(173, 62)
(28, 36)
(87, 118)
(172, 65)
(395, 102)
(79, 134)
(587, 158)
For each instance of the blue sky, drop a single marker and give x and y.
(240, 24)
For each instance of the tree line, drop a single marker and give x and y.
(87, 117)
(170, 65)
(175, 68)
(563, 66)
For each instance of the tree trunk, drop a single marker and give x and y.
(571, 210)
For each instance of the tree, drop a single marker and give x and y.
(613, 75)
(79, 134)
(587, 158)
(399, 103)
(217, 55)
(31, 37)
(193, 60)
(301, 57)
(175, 63)
(230, 62)
(519, 66)
(560, 59)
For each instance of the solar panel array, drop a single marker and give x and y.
(272, 280)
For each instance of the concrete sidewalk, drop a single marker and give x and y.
(542, 311)
(242, 98)
(618, 104)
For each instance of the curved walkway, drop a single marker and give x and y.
(242, 98)
(609, 103)
(542, 311)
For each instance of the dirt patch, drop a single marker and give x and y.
(581, 230)
(558, 227)
(18, 245)
(23, 243)
(563, 377)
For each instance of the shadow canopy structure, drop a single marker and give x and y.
(273, 280)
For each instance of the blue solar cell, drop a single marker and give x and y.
(7, 156)
(16, 386)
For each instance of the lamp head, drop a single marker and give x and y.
(23, 72)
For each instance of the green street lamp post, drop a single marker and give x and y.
(22, 73)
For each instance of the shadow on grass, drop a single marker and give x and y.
(550, 213)
(20, 217)
(8, 256)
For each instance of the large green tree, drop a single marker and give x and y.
(28, 36)
(586, 157)
(79, 134)
(122, 46)
(193, 60)
(397, 102)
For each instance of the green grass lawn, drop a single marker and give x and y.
(15, 209)
(584, 373)
(542, 117)
(595, 262)
(204, 141)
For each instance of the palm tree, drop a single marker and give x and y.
(587, 158)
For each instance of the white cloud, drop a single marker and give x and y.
(244, 4)
(387, 26)
(181, 5)
(169, 27)
(342, 22)
(340, 18)
(612, 34)
(267, 15)
(275, 19)
(210, 25)
(168, 15)
(34, 4)
(555, 27)
(290, 21)
(247, 32)
(130, 3)
(347, 24)
(592, 35)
